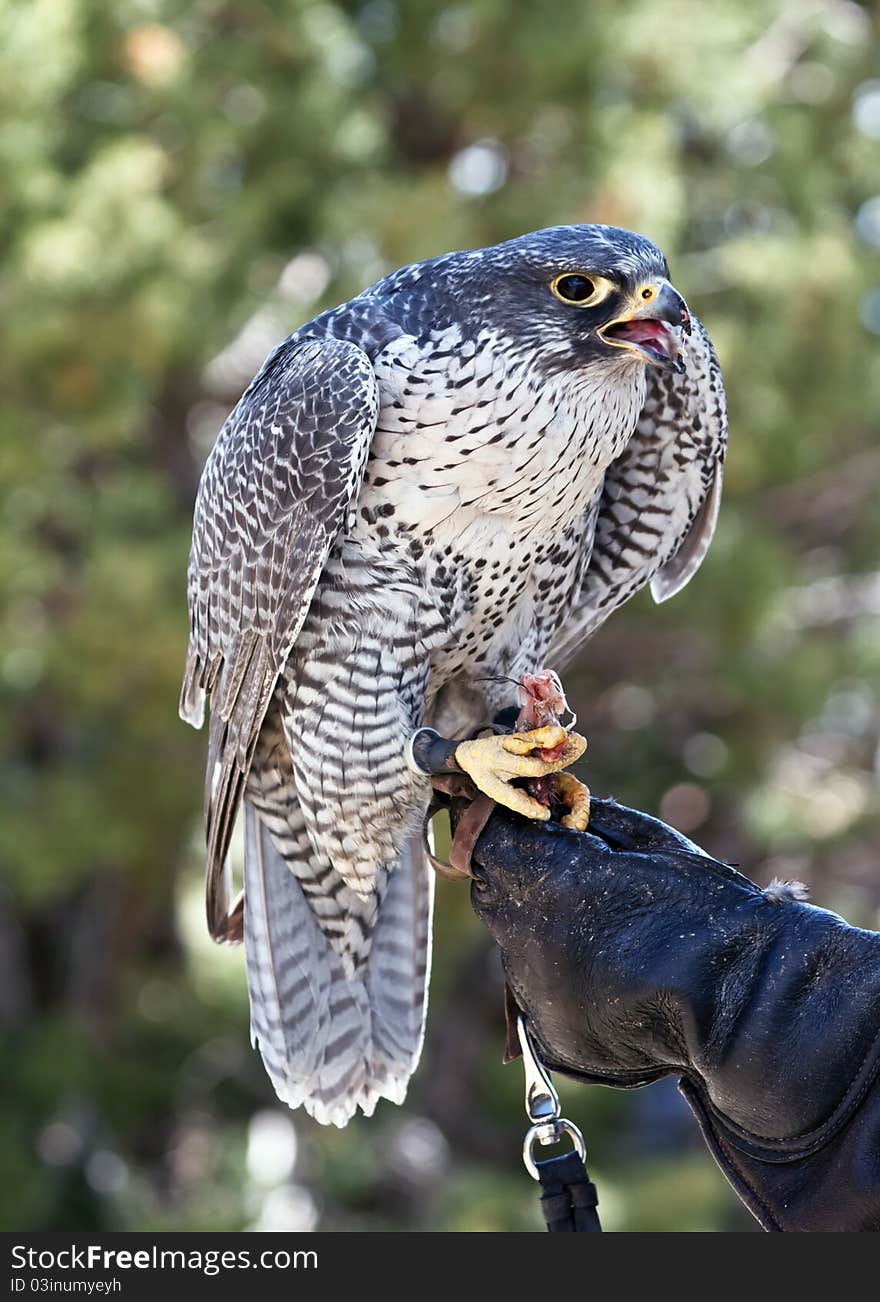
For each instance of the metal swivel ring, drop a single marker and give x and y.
(538, 1134)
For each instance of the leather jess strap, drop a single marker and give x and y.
(467, 834)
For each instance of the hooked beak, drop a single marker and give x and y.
(649, 328)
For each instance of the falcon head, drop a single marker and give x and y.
(575, 295)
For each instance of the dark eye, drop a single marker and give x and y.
(573, 288)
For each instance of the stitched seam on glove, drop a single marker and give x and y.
(726, 1160)
(794, 1147)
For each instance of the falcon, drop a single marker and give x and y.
(425, 494)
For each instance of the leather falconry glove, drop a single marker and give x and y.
(634, 955)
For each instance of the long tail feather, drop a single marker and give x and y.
(333, 1041)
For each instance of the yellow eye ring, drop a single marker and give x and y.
(575, 289)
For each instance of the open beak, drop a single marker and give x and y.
(650, 328)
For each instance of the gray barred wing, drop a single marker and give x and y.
(660, 499)
(280, 483)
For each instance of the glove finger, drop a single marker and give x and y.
(629, 829)
(514, 861)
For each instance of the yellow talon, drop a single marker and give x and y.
(577, 797)
(493, 763)
(521, 743)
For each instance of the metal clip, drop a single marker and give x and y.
(543, 1108)
(542, 1101)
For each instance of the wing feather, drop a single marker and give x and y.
(274, 494)
(660, 498)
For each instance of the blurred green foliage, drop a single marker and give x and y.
(185, 185)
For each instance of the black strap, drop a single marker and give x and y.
(569, 1197)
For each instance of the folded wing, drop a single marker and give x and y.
(277, 488)
(660, 498)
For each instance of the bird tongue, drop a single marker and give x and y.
(656, 335)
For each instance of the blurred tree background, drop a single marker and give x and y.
(187, 183)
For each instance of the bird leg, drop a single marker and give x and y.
(537, 752)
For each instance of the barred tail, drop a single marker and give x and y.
(333, 1037)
